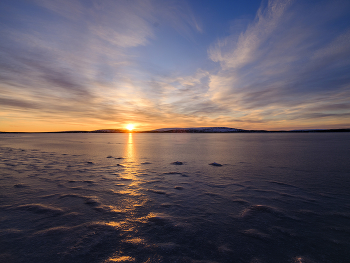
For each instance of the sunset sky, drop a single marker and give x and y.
(87, 65)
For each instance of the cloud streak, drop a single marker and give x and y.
(91, 62)
(284, 61)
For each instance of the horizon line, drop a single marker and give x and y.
(180, 129)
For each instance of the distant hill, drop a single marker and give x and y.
(321, 130)
(233, 130)
(109, 131)
(96, 131)
(198, 130)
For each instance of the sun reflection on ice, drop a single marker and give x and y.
(121, 259)
(134, 199)
(131, 170)
(130, 149)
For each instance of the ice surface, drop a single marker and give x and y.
(276, 199)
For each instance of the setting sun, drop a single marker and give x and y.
(130, 127)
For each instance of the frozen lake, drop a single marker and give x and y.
(278, 197)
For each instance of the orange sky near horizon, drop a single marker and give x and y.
(32, 125)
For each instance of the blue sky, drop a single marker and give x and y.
(84, 65)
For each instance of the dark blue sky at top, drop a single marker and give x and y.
(182, 53)
(246, 64)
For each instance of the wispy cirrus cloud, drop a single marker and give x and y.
(292, 55)
(74, 59)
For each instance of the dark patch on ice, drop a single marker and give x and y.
(20, 186)
(41, 209)
(70, 195)
(89, 200)
(217, 185)
(152, 181)
(284, 231)
(166, 204)
(5, 207)
(113, 192)
(177, 163)
(306, 200)
(224, 249)
(307, 212)
(77, 188)
(156, 191)
(58, 230)
(255, 210)
(89, 181)
(338, 214)
(167, 247)
(49, 196)
(255, 234)
(301, 259)
(283, 184)
(125, 179)
(107, 209)
(10, 233)
(256, 260)
(159, 218)
(211, 194)
(240, 201)
(215, 164)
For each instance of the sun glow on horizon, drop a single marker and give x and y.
(130, 127)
